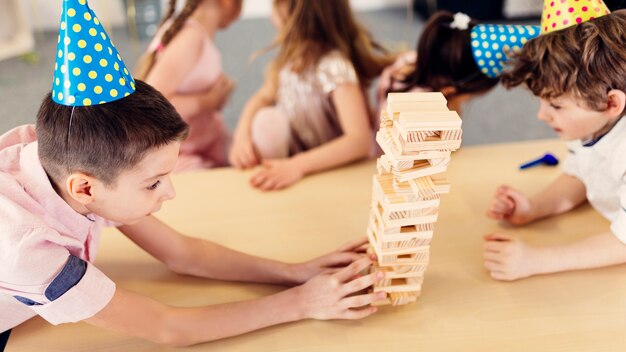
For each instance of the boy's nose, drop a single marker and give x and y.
(169, 191)
(542, 114)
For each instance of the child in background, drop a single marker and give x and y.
(443, 62)
(184, 64)
(101, 156)
(578, 74)
(312, 112)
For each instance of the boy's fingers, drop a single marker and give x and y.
(363, 300)
(362, 283)
(354, 314)
(356, 267)
(352, 245)
(500, 237)
(492, 256)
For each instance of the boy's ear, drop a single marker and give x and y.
(79, 187)
(616, 101)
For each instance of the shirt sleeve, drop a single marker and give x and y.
(46, 277)
(333, 70)
(618, 226)
(570, 164)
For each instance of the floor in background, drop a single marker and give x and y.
(499, 116)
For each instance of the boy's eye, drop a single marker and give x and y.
(153, 186)
(554, 106)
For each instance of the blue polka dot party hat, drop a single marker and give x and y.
(492, 43)
(88, 68)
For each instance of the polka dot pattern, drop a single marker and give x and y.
(561, 14)
(88, 68)
(490, 51)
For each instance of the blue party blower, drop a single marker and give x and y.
(546, 159)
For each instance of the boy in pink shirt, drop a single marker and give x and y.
(89, 166)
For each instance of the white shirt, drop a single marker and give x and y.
(601, 166)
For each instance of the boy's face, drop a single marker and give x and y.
(139, 191)
(571, 120)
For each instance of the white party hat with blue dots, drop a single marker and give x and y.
(88, 68)
(492, 43)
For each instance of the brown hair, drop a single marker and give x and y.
(313, 28)
(586, 60)
(146, 62)
(444, 58)
(105, 139)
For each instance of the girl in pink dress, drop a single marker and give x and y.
(312, 112)
(184, 64)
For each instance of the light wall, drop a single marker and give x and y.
(45, 14)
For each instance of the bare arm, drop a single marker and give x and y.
(508, 258)
(192, 256)
(596, 251)
(565, 193)
(356, 141)
(242, 153)
(327, 296)
(562, 195)
(354, 144)
(172, 68)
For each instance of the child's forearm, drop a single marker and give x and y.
(190, 105)
(596, 251)
(338, 152)
(211, 260)
(142, 317)
(259, 100)
(563, 194)
(195, 325)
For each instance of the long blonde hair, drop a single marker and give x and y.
(146, 63)
(315, 27)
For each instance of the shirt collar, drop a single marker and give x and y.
(37, 184)
(605, 142)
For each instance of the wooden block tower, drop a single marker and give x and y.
(417, 134)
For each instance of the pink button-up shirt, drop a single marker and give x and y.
(46, 248)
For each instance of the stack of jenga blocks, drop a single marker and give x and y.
(417, 134)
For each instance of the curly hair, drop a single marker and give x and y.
(585, 61)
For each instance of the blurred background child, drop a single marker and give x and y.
(184, 64)
(312, 112)
(442, 62)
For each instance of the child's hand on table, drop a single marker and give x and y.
(511, 206)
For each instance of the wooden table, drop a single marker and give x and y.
(461, 308)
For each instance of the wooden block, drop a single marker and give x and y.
(430, 186)
(383, 191)
(428, 120)
(427, 140)
(392, 243)
(405, 218)
(396, 109)
(385, 120)
(397, 158)
(401, 285)
(399, 298)
(416, 97)
(415, 257)
(422, 168)
(421, 232)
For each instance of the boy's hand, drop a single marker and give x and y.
(242, 154)
(511, 206)
(508, 258)
(277, 174)
(332, 295)
(331, 262)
